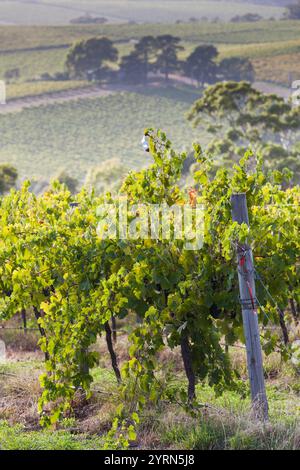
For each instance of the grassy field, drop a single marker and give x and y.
(223, 422)
(266, 49)
(61, 12)
(80, 134)
(32, 64)
(31, 89)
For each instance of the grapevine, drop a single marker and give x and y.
(53, 262)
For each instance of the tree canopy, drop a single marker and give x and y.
(167, 58)
(88, 56)
(8, 177)
(239, 116)
(293, 11)
(236, 68)
(200, 64)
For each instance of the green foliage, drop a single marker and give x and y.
(70, 183)
(237, 68)
(200, 64)
(247, 18)
(132, 69)
(53, 260)
(135, 67)
(8, 177)
(239, 116)
(107, 176)
(293, 11)
(87, 57)
(12, 74)
(167, 59)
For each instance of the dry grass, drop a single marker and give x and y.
(20, 390)
(219, 425)
(222, 423)
(19, 394)
(32, 89)
(14, 337)
(279, 68)
(18, 341)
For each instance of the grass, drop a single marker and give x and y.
(280, 69)
(78, 135)
(32, 89)
(224, 422)
(267, 49)
(57, 12)
(16, 438)
(222, 430)
(34, 63)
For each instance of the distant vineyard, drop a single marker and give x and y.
(79, 135)
(12, 37)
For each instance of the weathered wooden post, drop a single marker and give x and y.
(249, 312)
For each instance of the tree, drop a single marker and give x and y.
(167, 59)
(293, 11)
(247, 18)
(200, 64)
(107, 176)
(237, 68)
(88, 19)
(88, 57)
(146, 50)
(12, 74)
(8, 177)
(72, 184)
(135, 67)
(238, 117)
(132, 69)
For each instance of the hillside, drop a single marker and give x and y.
(78, 135)
(121, 11)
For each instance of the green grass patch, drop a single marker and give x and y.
(229, 433)
(17, 438)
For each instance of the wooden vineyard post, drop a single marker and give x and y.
(249, 312)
